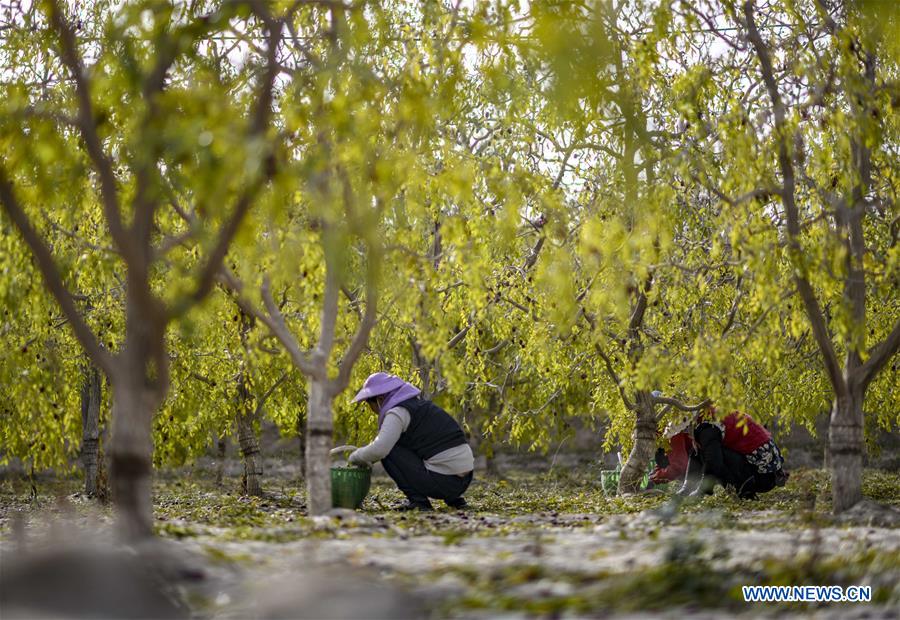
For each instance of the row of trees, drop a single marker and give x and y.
(536, 212)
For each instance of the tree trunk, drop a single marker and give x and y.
(845, 450)
(131, 450)
(490, 464)
(423, 368)
(319, 428)
(481, 446)
(494, 407)
(139, 384)
(90, 428)
(249, 442)
(644, 445)
(221, 447)
(301, 436)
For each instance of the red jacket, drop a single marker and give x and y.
(681, 445)
(743, 434)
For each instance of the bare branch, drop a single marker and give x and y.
(328, 317)
(760, 193)
(282, 333)
(640, 307)
(495, 348)
(734, 306)
(170, 242)
(459, 336)
(532, 257)
(353, 298)
(203, 379)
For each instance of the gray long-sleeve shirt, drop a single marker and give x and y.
(452, 461)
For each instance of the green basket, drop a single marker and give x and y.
(349, 486)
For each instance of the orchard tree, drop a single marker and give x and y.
(480, 225)
(55, 400)
(53, 396)
(42, 405)
(136, 92)
(609, 287)
(360, 133)
(803, 163)
(225, 379)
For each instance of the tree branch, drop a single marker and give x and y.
(52, 277)
(640, 307)
(811, 304)
(878, 356)
(328, 318)
(614, 376)
(274, 320)
(532, 257)
(855, 280)
(734, 307)
(259, 123)
(361, 337)
(270, 391)
(459, 336)
(85, 119)
(353, 298)
(167, 51)
(674, 402)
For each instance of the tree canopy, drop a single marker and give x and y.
(537, 212)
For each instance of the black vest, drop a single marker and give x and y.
(431, 430)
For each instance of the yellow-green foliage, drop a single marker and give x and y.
(531, 175)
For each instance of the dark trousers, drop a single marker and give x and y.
(730, 468)
(418, 484)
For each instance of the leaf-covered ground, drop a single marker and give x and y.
(530, 545)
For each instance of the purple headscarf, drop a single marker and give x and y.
(394, 389)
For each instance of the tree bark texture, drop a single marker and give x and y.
(846, 448)
(131, 450)
(251, 481)
(91, 393)
(139, 386)
(319, 427)
(301, 442)
(644, 444)
(221, 447)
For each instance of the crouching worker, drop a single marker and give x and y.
(421, 447)
(738, 453)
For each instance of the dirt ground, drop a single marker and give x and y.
(531, 545)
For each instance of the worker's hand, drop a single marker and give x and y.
(656, 476)
(355, 458)
(341, 450)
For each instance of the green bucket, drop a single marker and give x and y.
(609, 479)
(349, 486)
